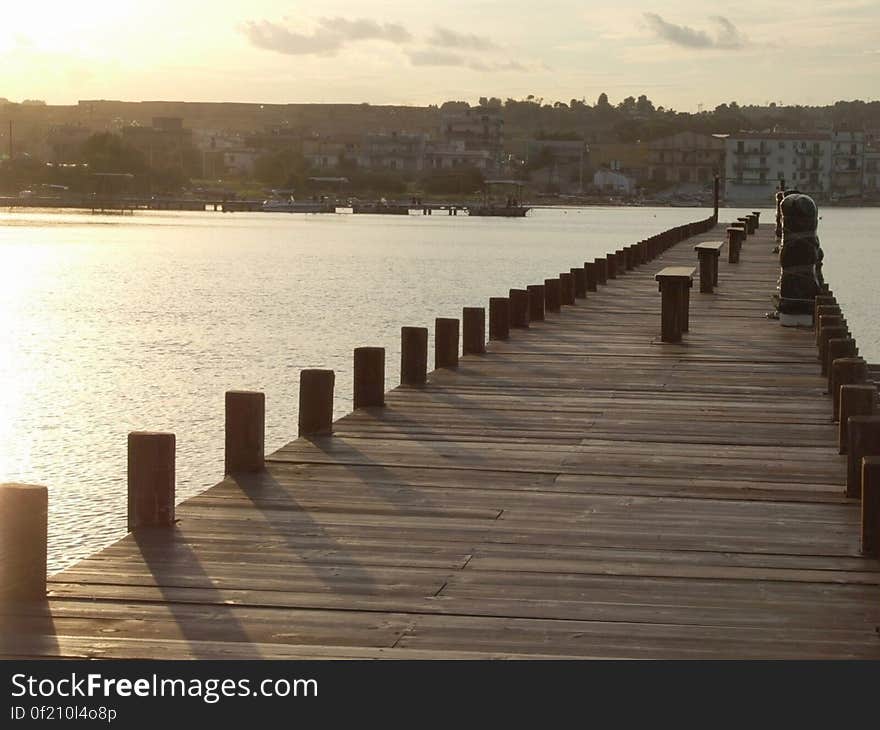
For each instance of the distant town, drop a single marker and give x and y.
(628, 152)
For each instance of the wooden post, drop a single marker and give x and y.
(827, 320)
(863, 439)
(413, 355)
(829, 333)
(536, 302)
(845, 371)
(369, 377)
(446, 335)
(630, 256)
(151, 459)
(499, 318)
(734, 244)
(823, 300)
(591, 273)
(612, 265)
(674, 284)
(519, 307)
(854, 400)
(24, 523)
(845, 350)
(473, 322)
(566, 281)
(871, 506)
(602, 270)
(316, 402)
(552, 295)
(245, 431)
(620, 261)
(580, 282)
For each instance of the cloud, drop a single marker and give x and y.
(330, 35)
(433, 57)
(726, 35)
(447, 38)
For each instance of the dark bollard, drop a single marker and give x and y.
(245, 431)
(601, 270)
(519, 308)
(499, 318)
(151, 459)
(827, 334)
(446, 335)
(591, 274)
(369, 377)
(552, 295)
(871, 506)
(316, 402)
(566, 281)
(845, 353)
(473, 322)
(863, 439)
(536, 302)
(580, 283)
(24, 522)
(413, 355)
(612, 265)
(854, 400)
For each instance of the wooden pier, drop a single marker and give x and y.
(582, 489)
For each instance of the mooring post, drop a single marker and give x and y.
(446, 335)
(552, 295)
(601, 270)
(871, 506)
(674, 284)
(844, 365)
(316, 402)
(591, 274)
(413, 355)
(828, 334)
(536, 302)
(854, 400)
(863, 439)
(612, 265)
(151, 458)
(499, 318)
(24, 529)
(566, 281)
(580, 282)
(519, 307)
(827, 320)
(245, 431)
(473, 337)
(734, 244)
(369, 377)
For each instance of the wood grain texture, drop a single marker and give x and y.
(580, 490)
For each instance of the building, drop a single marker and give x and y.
(685, 159)
(327, 153)
(65, 141)
(165, 145)
(241, 162)
(479, 128)
(450, 155)
(610, 181)
(759, 162)
(400, 151)
(631, 159)
(557, 164)
(847, 158)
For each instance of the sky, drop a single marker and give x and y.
(683, 54)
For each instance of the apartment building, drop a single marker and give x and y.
(847, 164)
(758, 162)
(685, 158)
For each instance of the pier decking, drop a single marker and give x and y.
(582, 490)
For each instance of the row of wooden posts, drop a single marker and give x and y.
(854, 409)
(151, 455)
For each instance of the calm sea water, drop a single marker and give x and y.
(112, 324)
